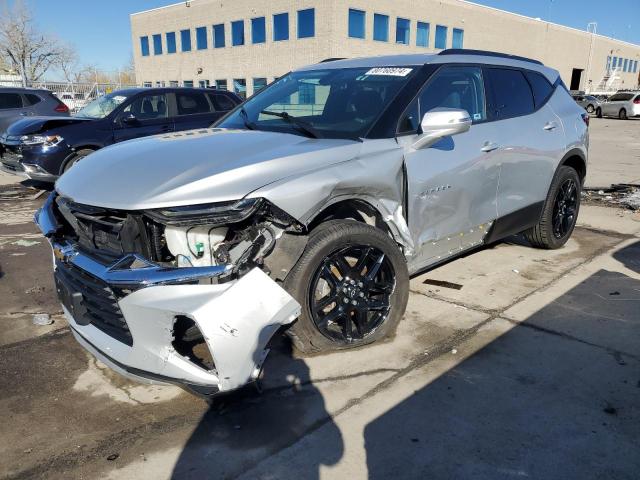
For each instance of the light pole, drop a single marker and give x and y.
(591, 27)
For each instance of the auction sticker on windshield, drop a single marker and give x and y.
(392, 71)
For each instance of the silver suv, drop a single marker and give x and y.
(621, 105)
(308, 207)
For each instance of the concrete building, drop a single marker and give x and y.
(242, 44)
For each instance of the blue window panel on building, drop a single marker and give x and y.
(441, 37)
(403, 27)
(356, 23)
(201, 38)
(280, 27)
(218, 36)
(307, 94)
(259, 84)
(624, 64)
(144, 46)
(185, 40)
(171, 42)
(608, 63)
(306, 23)
(157, 44)
(458, 38)
(258, 30)
(422, 34)
(635, 66)
(614, 62)
(380, 27)
(237, 33)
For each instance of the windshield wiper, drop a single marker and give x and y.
(301, 124)
(245, 119)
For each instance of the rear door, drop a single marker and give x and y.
(194, 109)
(145, 115)
(452, 184)
(222, 103)
(530, 139)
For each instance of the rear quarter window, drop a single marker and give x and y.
(541, 87)
(512, 95)
(10, 100)
(33, 99)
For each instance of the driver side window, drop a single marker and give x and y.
(148, 107)
(451, 87)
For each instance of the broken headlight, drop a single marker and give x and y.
(46, 140)
(207, 214)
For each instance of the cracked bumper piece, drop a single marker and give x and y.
(127, 315)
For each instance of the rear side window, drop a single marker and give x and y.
(190, 103)
(148, 107)
(512, 96)
(10, 100)
(541, 87)
(221, 102)
(621, 97)
(33, 99)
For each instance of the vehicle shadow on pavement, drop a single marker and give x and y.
(556, 396)
(242, 428)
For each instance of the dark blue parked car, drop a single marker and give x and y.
(43, 148)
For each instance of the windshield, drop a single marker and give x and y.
(332, 103)
(102, 106)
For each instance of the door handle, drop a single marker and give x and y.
(550, 126)
(489, 147)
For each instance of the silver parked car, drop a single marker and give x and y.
(17, 103)
(308, 207)
(621, 105)
(588, 102)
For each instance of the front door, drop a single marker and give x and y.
(451, 184)
(146, 115)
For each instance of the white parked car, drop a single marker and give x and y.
(75, 101)
(622, 105)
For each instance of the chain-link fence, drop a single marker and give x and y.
(74, 95)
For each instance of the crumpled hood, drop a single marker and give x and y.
(197, 166)
(42, 124)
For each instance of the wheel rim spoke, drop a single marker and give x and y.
(565, 208)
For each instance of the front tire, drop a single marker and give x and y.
(590, 108)
(79, 155)
(353, 285)
(560, 211)
(622, 115)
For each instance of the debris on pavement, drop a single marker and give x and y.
(25, 243)
(42, 319)
(442, 283)
(626, 195)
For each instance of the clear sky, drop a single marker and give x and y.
(101, 33)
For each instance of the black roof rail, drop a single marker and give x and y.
(487, 53)
(332, 59)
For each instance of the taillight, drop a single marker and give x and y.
(637, 101)
(61, 108)
(585, 118)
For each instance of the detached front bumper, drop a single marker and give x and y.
(126, 314)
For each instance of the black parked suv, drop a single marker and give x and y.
(43, 148)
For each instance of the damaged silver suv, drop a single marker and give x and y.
(307, 208)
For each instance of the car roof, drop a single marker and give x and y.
(135, 91)
(23, 89)
(407, 60)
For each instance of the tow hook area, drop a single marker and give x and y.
(221, 331)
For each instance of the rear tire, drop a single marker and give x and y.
(560, 211)
(590, 108)
(353, 285)
(622, 115)
(599, 112)
(79, 155)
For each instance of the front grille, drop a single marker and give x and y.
(98, 303)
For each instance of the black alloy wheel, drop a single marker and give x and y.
(564, 209)
(350, 293)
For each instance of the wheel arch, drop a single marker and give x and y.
(350, 208)
(577, 160)
(75, 151)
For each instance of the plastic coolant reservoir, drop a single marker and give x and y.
(193, 246)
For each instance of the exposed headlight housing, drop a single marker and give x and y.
(208, 213)
(46, 140)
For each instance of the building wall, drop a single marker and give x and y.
(484, 28)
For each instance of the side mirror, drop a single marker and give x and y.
(442, 122)
(129, 119)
